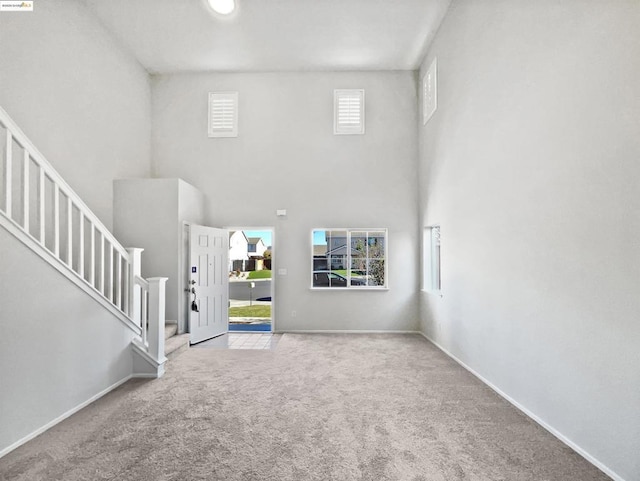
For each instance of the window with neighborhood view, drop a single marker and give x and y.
(349, 258)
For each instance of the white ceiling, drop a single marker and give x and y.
(274, 35)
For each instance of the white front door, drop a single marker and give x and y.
(208, 283)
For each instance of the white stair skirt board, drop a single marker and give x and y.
(144, 365)
(62, 417)
(342, 331)
(11, 226)
(531, 415)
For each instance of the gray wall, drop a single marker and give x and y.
(149, 213)
(56, 353)
(286, 157)
(83, 102)
(531, 167)
(86, 106)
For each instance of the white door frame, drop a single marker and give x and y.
(183, 278)
(273, 265)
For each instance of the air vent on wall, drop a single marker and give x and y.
(348, 112)
(223, 114)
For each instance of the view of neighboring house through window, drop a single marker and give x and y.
(349, 258)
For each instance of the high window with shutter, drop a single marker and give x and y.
(223, 114)
(430, 91)
(348, 112)
(432, 280)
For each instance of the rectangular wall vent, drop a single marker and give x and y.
(223, 114)
(348, 111)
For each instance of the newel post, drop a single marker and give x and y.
(135, 294)
(156, 317)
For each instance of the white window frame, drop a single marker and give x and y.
(349, 231)
(232, 131)
(351, 95)
(430, 91)
(432, 260)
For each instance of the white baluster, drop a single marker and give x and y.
(41, 204)
(92, 262)
(144, 316)
(118, 280)
(126, 288)
(101, 278)
(8, 174)
(81, 246)
(69, 232)
(25, 191)
(110, 283)
(56, 220)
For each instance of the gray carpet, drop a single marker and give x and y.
(319, 407)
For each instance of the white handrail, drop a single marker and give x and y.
(26, 205)
(107, 269)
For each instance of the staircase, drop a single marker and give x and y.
(77, 317)
(42, 211)
(174, 343)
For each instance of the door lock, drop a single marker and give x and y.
(194, 303)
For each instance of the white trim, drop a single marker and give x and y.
(62, 417)
(231, 99)
(274, 270)
(348, 128)
(20, 137)
(147, 375)
(140, 348)
(430, 91)
(348, 231)
(342, 331)
(64, 269)
(609, 472)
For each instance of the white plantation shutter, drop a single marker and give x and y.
(223, 114)
(430, 91)
(348, 112)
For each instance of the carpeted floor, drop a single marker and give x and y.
(319, 407)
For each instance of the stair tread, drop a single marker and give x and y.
(170, 330)
(176, 344)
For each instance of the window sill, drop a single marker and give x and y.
(349, 288)
(431, 292)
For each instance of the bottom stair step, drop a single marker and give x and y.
(175, 345)
(170, 329)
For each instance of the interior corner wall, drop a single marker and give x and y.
(287, 157)
(530, 166)
(81, 99)
(149, 214)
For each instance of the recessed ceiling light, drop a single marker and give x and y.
(223, 7)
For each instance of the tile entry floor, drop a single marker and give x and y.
(242, 340)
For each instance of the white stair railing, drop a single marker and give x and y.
(40, 208)
(148, 307)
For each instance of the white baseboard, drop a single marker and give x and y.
(341, 331)
(609, 472)
(61, 418)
